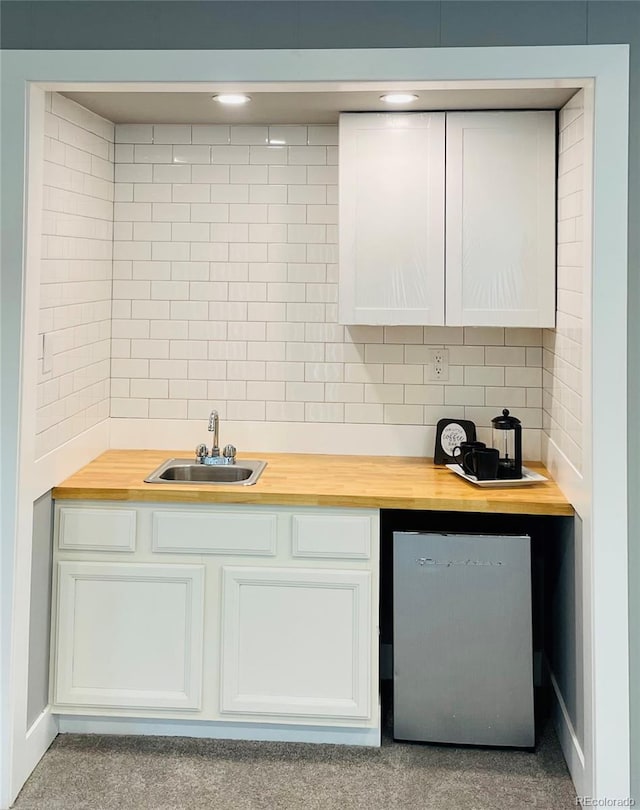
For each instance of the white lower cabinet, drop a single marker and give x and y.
(237, 616)
(296, 641)
(129, 635)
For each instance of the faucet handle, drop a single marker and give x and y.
(230, 453)
(201, 453)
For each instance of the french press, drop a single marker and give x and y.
(507, 437)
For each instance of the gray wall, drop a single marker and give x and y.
(68, 24)
(40, 608)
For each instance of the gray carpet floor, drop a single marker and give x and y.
(86, 772)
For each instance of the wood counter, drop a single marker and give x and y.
(387, 482)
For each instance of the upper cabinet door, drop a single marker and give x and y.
(391, 218)
(500, 221)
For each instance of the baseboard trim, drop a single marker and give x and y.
(219, 730)
(37, 740)
(571, 748)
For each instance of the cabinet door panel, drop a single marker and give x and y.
(296, 642)
(500, 189)
(391, 218)
(129, 635)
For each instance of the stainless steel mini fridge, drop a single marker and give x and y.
(462, 639)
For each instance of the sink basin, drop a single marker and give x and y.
(185, 471)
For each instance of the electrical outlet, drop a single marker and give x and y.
(438, 365)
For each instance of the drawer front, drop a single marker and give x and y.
(96, 529)
(335, 536)
(224, 532)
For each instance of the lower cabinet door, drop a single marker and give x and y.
(296, 642)
(129, 635)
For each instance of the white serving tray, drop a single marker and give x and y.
(528, 477)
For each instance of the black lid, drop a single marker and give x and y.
(505, 422)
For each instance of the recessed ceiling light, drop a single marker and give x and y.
(232, 98)
(398, 98)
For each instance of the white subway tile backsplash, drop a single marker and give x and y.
(268, 155)
(323, 135)
(170, 212)
(259, 232)
(307, 233)
(152, 192)
(189, 310)
(322, 175)
(134, 133)
(260, 350)
(284, 412)
(246, 175)
(132, 212)
(151, 231)
(526, 377)
(288, 175)
(168, 330)
(239, 255)
(266, 391)
(188, 350)
(210, 133)
(484, 335)
(327, 214)
(170, 251)
(210, 251)
(287, 135)
(168, 369)
(253, 252)
(208, 174)
(144, 153)
(323, 412)
(132, 173)
(191, 192)
(249, 134)
(247, 212)
(404, 373)
(150, 389)
(191, 154)
(168, 409)
(483, 375)
(505, 356)
(229, 155)
(171, 133)
(403, 414)
(150, 270)
(172, 173)
(286, 371)
(307, 155)
(508, 397)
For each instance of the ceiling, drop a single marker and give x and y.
(307, 107)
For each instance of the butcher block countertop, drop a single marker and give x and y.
(293, 479)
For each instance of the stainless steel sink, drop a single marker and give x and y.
(184, 471)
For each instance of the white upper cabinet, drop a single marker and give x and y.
(496, 208)
(391, 218)
(500, 219)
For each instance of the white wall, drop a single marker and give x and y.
(225, 291)
(563, 346)
(75, 274)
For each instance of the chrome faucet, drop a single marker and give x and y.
(203, 456)
(214, 427)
